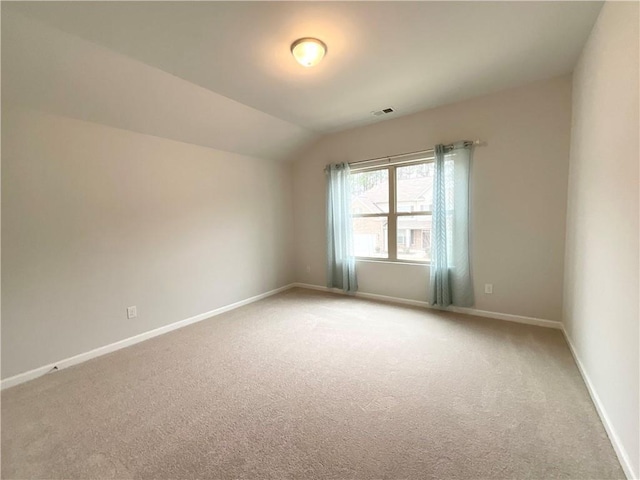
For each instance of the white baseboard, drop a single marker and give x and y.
(112, 347)
(83, 357)
(623, 458)
(613, 437)
(417, 303)
(540, 322)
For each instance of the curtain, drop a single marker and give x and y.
(450, 270)
(341, 264)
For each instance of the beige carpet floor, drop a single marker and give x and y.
(312, 385)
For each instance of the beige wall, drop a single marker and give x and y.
(95, 219)
(519, 187)
(601, 281)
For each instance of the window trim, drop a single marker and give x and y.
(392, 215)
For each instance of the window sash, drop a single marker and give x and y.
(392, 215)
(400, 214)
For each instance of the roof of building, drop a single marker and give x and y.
(407, 190)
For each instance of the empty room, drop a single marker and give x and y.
(346, 240)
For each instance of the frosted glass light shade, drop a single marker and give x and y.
(308, 51)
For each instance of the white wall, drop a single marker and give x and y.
(95, 219)
(519, 187)
(601, 282)
(49, 70)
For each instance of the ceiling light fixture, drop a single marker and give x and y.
(308, 51)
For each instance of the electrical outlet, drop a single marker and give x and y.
(308, 269)
(132, 312)
(488, 288)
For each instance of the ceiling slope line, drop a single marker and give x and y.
(56, 72)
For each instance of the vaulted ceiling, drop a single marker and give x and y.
(221, 74)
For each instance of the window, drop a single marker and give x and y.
(391, 212)
(369, 209)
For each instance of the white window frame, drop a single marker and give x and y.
(393, 214)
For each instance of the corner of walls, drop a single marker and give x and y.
(309, 212)
(96, 219)
(601, 312)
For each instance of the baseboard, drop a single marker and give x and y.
(509, 317)
(83, 357)
(623, 458)
(112, 347)
(613, 437)
(467, 311)
(615, 441)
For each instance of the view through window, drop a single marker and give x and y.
(394, 200)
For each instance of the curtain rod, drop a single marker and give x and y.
(467, 143)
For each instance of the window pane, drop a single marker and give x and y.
(414, 237)
(370, 236)
(370, 191)
(414, 191)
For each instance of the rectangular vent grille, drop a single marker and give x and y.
(384, 111)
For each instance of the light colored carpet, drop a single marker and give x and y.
(312, 385)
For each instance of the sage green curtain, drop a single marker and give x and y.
(341, 264)
(451, 282)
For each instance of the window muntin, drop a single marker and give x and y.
(391, 212)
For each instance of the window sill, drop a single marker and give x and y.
(393, 262)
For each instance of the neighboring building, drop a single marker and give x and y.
(414, 232)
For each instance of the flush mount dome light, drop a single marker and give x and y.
(308, 51)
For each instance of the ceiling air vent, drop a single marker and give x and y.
(384, 111)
